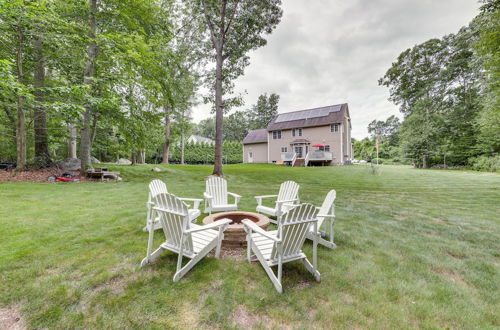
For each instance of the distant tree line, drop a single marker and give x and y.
(237, 124)
(387, 134)
(448, 90)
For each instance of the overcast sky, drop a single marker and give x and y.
(334, 51)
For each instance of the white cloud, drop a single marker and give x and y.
(328, 52)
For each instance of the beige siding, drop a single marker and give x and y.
(347, 140)
(339, 142)
(258, 150)
(316, 135)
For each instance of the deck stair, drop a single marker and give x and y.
(299, 162)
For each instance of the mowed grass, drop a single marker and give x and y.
(416, 248)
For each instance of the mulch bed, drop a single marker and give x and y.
(40, 175)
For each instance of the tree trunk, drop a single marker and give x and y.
(133, 157)
(72, 141)
(182, 148)
(40, 118)
(424, 162)
(86, 130)
(11, 116)
(94, 129)
(166, 146)
(219, 114)
(142, 157)
(21, 120)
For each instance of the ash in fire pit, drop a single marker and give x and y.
(235, 235)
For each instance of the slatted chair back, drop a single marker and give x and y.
(217, 188)
(174, 220)
(328, 206)
(289, 190)
(292, 229)
(157, 187)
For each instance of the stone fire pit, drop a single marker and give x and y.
(235, 236)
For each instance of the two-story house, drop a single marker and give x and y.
(320, 136)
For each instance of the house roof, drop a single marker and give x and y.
(198, 138)
(331, 114)
(256, 136)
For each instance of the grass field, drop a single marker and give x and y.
(416, 248)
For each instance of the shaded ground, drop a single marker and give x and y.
(416, 248)
(40, 175)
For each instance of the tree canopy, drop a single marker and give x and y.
(445, 88)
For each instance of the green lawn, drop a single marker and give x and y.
(416, 248)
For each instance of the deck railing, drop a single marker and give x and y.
(294, 158)
(287, 156)
(320, 155)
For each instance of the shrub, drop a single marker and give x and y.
(485, 163)
(380, 161)
(203, 153)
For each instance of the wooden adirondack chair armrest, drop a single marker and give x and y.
(207, 196)
(287, 201)
(259, 198)
(236, 196)
(196, 201)
(156, 208)
(251, 226)
(327, 217)
(279, 204)
(285, 207)
(215, 224)
(266, 196)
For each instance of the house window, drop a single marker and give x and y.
(335, 127)
(327, 148)
(284, 149)
(250, 154)
(276, 135)
(297, 132)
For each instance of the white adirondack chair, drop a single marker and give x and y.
(157, 187)
(216, 196)
(182, 236)
(287, 197)
(326, 215)
(273, 248)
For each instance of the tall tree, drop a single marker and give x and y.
(437, 82)
(235, 27)
(86, 133)
(488, 46)
(236, 126)
(385, 130)
(206, 128)
(40, 116)
(264, 111)
(21, 118)
(16, 23)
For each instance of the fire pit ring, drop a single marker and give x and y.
(235, 236)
